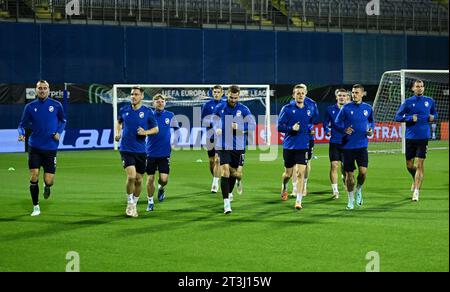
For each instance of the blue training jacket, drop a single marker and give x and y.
(360, 118)
(315, 112)
(208, 109)
(224, 116)
(131, 120)
(423, 107)
(159, 145)
(329, 124)
(44, 118)
(290, 115)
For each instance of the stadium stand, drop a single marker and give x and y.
(424, 16)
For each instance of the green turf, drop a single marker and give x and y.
(189, 232)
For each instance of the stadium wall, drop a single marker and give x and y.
(113, 54)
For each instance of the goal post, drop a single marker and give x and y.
(394, 88)
(185, 96)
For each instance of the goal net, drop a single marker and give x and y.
(186, 101)
(394, 88)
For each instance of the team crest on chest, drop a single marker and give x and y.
(141, 115)
(35, 109)
(414, 104)
(427, 104)
(366, 113)
(51, 109)
(333, 112)
(167, 121)
(351, 112)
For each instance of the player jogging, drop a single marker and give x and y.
(135, 122)
(232, 122)
(295, 120)
(334, 150)
(417, 111)
(159, 150)
(355, 120)
(46, 119)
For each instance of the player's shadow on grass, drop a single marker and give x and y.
(389, 206)
(159, 223)
(364, 211)
(245, 212)
(431, 198)
(214, 220)
(276, 218)
(23, 204)
(325, 192)
(176, 197)
(211, 216)
(195, 186)
(57, 226)
(377, 211)
(321, 192)
(313, 199)
(15, 218)
(277, 197)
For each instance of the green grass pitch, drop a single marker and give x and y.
(189, 232)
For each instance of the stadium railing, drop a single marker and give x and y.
(408, 16)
